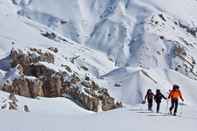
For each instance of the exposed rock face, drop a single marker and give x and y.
(39, 70)
(184, 63)
(191, 30)
(53, 36)
(92, 95)
(32, 56)
(35, 86)
(52, 81)
(53, 85)
(24, 87)
(37, 79)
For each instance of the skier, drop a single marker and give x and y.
(174, 95)
(158, 97)
(149, 97)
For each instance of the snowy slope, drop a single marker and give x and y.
(133, 119)
(128, 46)
(45, 106)
(134, 83)
(27, 34)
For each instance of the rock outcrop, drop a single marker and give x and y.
(24, 86)
(92, 96)
(31, 56)
(184, 63)
(36, 79)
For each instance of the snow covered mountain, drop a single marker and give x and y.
(132, 33)
(128, 31)
(98, 55)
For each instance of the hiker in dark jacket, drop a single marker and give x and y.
(149, 97)
(158, 97)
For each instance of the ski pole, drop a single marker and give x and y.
(181, 108)
(167, 105)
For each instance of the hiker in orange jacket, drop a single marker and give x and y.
(174, 95)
